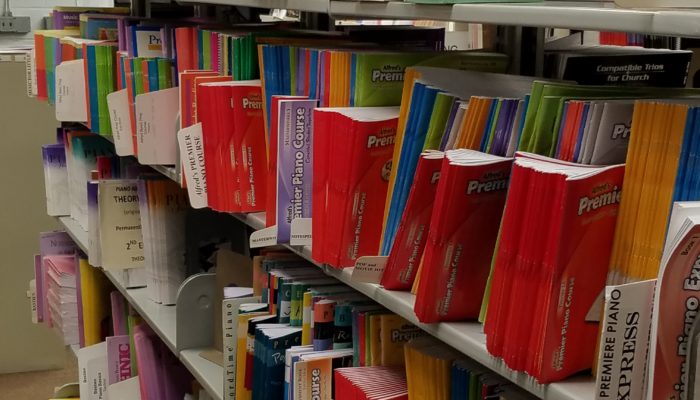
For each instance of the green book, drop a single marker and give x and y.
(138, 75)
(379, 75)
(438, 120)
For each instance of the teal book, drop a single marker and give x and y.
(269, 363)
(298, 288)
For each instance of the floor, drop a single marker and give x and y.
(38, 385)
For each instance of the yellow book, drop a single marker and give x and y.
(395, 331)
(307, 317)
(335, 91)
(375, 328)
(241, 339)
(95, 289)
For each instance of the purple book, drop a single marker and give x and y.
(39, 282)
(52, 243)
(449, 124)
(118, 358)
(65, 19)
(294, 164)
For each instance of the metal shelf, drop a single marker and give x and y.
(466, 337)
(586, 15)
(207, 373)
(320, 6)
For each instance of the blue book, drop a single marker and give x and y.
(92, 87)
(489, 121)
(353, 78)
(153, 75)
(408, 160)
(313, 74)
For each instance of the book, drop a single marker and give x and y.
(469, 198)
(673, 325)
(294, 163)
(351, 171)
(161, 211)
(121, 238)
(581, 210)
(56, 179)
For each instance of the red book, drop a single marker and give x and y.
(249, 144)
(131, 95)
(144, 76)
(68, 52)
(551, 264)
(186, 49)
(407, 252)
(319, 208)
(358, 161)
(104, 167)
(188, 109)
(464, 225)
(216, 116)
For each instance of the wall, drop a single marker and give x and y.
(36, 10)
(25, 124)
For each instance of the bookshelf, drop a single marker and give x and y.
(162, 319)
(467, 337)
(587, 15)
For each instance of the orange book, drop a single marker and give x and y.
(40, 53)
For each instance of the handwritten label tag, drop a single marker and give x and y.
(264, 237)
(118, 105)
(31, 294)
(191, 146)
(300, 232)
(70, 91)
(156, 113)
(369, 269)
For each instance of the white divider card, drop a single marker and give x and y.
(156, 114)
(624, 342)
(300, 232)
(125, 390)
(120, 225)
(191, 146)
(369, 269)
(118, 105)
(92, 372)
(33, 303)
(71, 104)
(264, 237)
